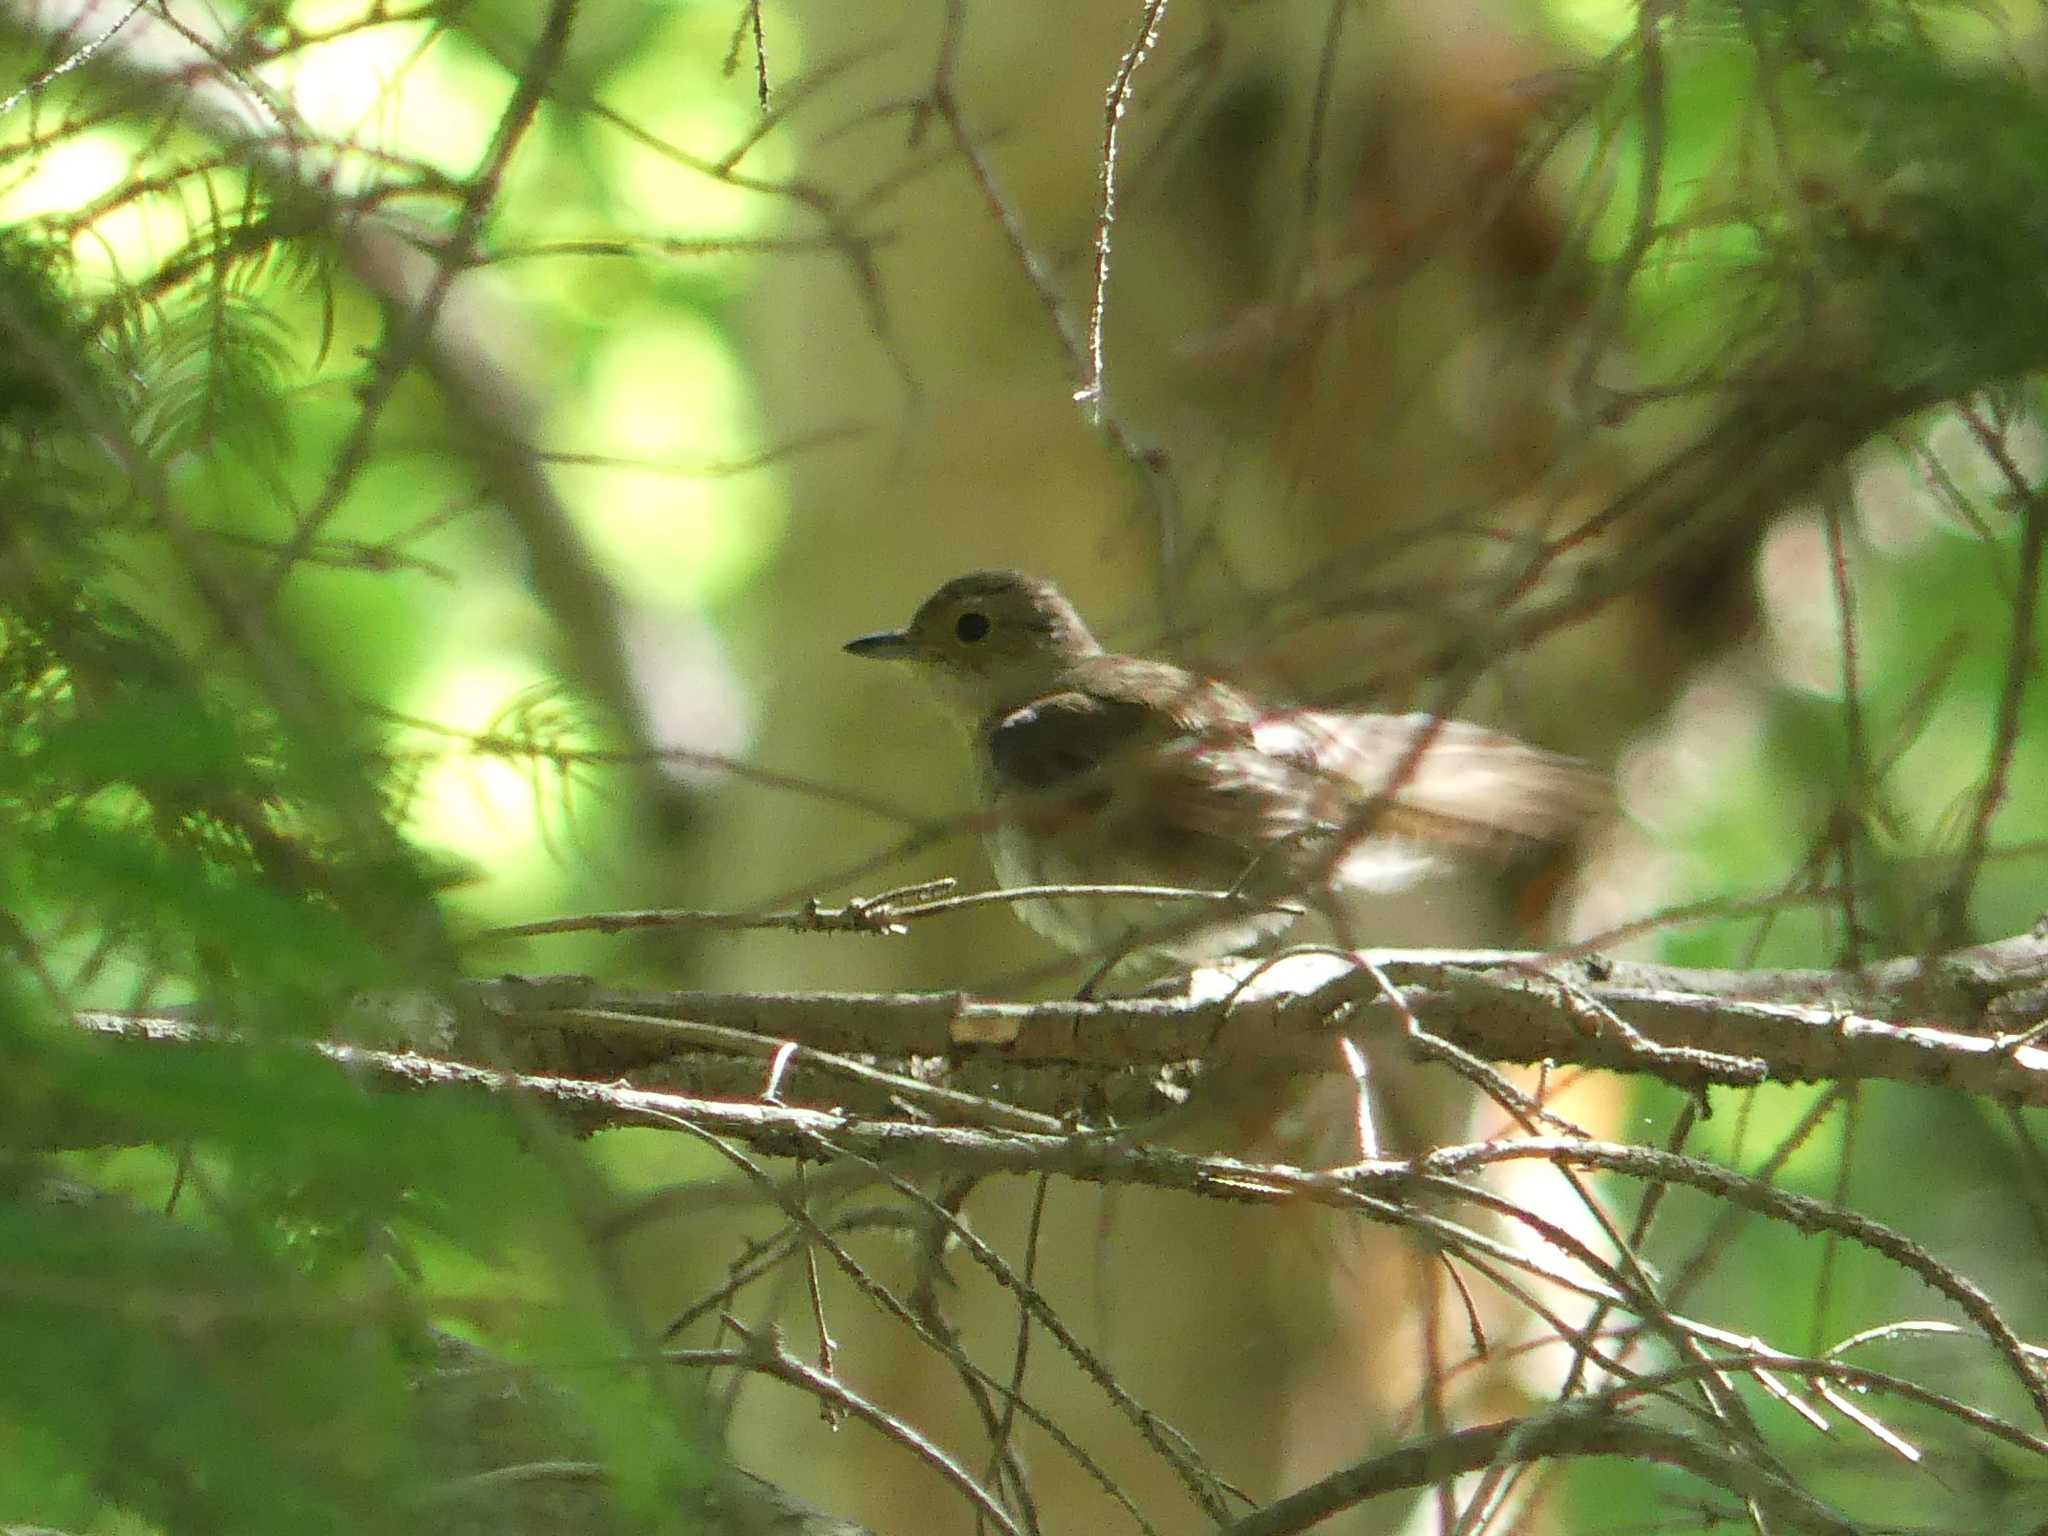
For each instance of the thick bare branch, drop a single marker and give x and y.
(1956, 1020)
(1961, 1020)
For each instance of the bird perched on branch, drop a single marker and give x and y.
(1101, 769)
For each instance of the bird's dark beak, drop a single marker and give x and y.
(889, 645)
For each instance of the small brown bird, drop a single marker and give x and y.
(1114, 770)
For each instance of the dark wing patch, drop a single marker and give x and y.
(1060, 738)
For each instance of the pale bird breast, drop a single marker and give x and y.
(1096, 925)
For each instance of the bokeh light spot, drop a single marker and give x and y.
(669, 411)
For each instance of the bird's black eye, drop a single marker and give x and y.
(971, 626)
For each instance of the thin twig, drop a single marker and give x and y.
(886, 913)
(412, 325)
(2019, 672)
(72, 60)
(1090, 395)
(1600, 332)
(764, 1354)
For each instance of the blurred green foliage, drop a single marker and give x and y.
(237, 1325)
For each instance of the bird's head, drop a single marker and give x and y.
(990, 640)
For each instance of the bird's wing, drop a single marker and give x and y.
(1100, 787)
(1112, 712)
(1171, 765)
(1443, 781)
(1063, 739)
(1164, 754)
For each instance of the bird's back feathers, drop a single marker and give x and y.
(1183, 778)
